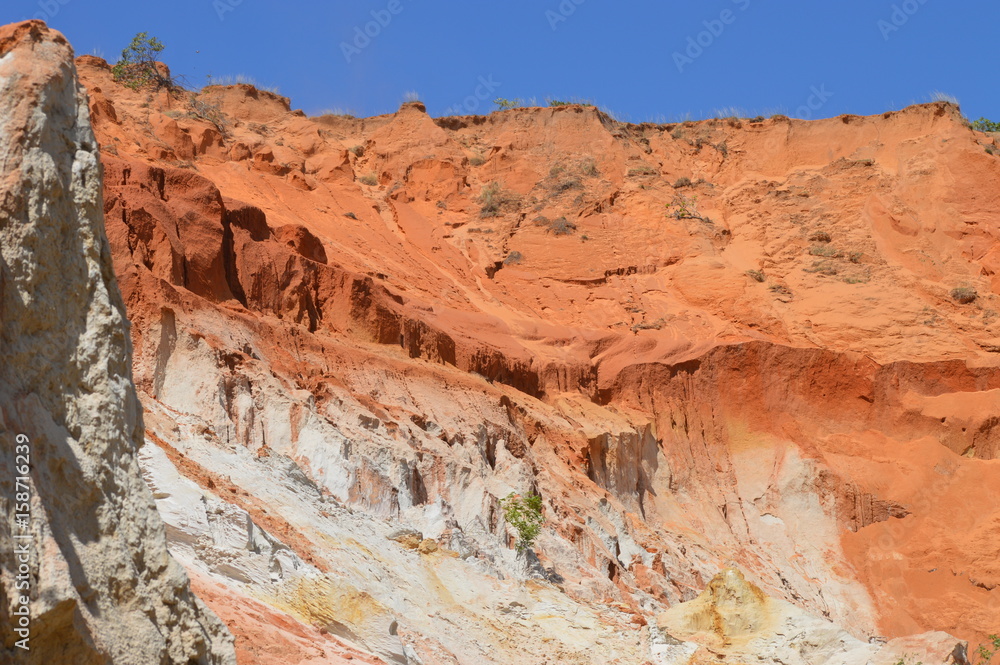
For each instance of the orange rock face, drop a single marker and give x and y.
(770, 344)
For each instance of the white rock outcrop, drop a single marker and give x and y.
(101, 586)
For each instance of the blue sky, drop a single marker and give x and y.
(644, 61)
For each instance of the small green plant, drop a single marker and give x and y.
(136, 69)
(756, 275)
(905, 660)
(855, 257)
(683, 207)
(525, 515)
(984, 125)
(505, 104)
(368, 179)
(964, 294)
(984, 652)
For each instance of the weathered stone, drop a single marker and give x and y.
(103, 588)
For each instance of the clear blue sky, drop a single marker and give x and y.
(641, 60)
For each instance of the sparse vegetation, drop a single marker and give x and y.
(199, 108)
(683, 207)
(964, 294)
(525, 515)
(855, 257)
(368, 179)
(358, 150)
(239, 79)
(559, 226)
(477, 160)
(781, 291)
(136, 69)
(495, 200)
(827, 251)
(820, 236)
(567, 183)
(756, 275)
(828, 268)
(350, 215)
(682, 182)
(643, 170)
(503, 104)
(589, 168)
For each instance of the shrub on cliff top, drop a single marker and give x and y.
(137, 67)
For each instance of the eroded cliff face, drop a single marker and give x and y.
(91, 553)
(776, 377)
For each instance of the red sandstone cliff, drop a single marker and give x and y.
(780, 379)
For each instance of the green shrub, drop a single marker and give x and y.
(985, 652)
(136, 69)
(525, 515)
(984, 125)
